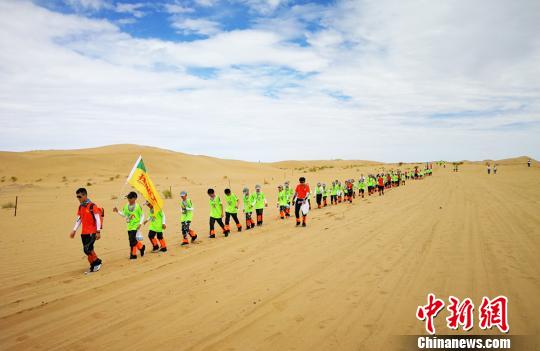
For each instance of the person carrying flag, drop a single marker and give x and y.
(134, 216)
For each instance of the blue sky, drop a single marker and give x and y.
(354, 79)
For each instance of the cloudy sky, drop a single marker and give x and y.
(274, 79)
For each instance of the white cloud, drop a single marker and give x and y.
(134, 9)
(263, 6)
(195, 26)
(206, 3)
(177, 9)
(124, 21)
(92, 5)
(389, 77)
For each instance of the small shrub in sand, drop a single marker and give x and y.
(8, 205)
(266, 182)
(114, 197)
(13, 179)
(88, 184)
(167, 194)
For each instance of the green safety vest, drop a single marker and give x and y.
(156, 221)
(187, 215)
(283, 198)
(133, 217)
(248, 203)
(216, 208)
(259, 200)
(231, 201)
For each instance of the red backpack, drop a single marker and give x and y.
(99, 210)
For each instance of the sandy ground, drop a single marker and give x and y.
(351, 280)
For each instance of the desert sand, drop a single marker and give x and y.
(351, 280)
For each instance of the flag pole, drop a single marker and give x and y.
(129, 176)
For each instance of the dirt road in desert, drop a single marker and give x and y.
(351, 280)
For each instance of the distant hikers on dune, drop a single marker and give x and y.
(90, 215)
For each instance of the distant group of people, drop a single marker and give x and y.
(90, 216)
(490, 168)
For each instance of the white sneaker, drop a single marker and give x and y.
(96, 268)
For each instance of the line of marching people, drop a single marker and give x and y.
(90, 216)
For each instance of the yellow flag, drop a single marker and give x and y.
(139, 179)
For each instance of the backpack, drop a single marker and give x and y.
(99, 210)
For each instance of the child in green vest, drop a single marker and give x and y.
(231, 210)
(290, 193)
(216, 214)
(260, 204)
(186, 206)
(325, 194)
(283, 201)
(249, 201)
(157, 225)
(134, 216)
(318, 195)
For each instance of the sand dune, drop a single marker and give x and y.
(351, 280)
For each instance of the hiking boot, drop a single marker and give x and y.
(96, 267)
(193, 238)
(163, 249)
(304, 224)
(212, 236)
(142, 250)
(155, 249)
(132, 257)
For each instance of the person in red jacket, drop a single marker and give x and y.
(89, 216)
(301, 195)
(380, 184)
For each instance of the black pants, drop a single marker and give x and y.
(88, 241)
(333, 199)
(213, 221)
(259, 212)
(152, 234)
(185, 228)
(132, 234)
(297, 206)
(249, 222)
(228, 216)
(319, 198)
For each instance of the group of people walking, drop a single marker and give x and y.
(90, 216)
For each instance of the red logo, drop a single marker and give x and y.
(492, 313)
